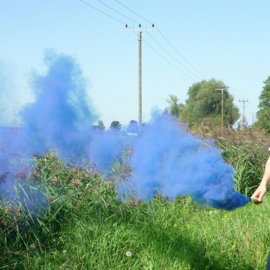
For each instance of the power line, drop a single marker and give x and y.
(172, 56)
(116, 11)
(244, 101)
(150, 36)
(101, 11)
(163, 37)
(234, 95)
(180, 53)
(132, 11)
(134, 33)
(168, 61)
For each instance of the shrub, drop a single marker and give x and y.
(245, 149)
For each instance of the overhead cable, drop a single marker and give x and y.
(116, 11)
(101, 11)
(132, 11)
(135, 34)
(173, 56)
(162, 36)
(179, 53)
(168, 61)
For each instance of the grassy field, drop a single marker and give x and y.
(86, 227)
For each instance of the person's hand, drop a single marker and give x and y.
(259, 193)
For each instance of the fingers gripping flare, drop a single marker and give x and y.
(255, 200)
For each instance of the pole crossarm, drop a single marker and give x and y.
(138, 30)
(223, 88)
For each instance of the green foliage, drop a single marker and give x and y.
(249, 166)
(99, 126)
(204, 104)
(115, 125)
(263, 115)
(86, 227)
(246, 150)
(174, 108)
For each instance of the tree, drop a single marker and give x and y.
(115, 125)
(175, 108)
(99, 126)
(133, 127)
(204, 103)
(263, 115)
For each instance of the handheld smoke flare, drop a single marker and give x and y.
(253, 199)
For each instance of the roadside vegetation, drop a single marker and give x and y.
(73, 219)
(246, 149)
(86, 227)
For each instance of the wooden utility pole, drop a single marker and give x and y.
(140, 79)
(222, 89)
(243, 110)
(140, 30)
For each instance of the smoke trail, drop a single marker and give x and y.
(105, 148)
(169, 161)
(166, 159)
(61, 117)
(60, 120)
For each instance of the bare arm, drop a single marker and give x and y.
(262, 189)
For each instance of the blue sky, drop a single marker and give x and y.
(226, 40)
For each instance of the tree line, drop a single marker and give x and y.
(116, 126)
(204, 104)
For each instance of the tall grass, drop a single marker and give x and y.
(86, 227)
(245, 149)
(92, 230)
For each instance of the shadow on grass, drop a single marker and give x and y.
(173, 247)
(182, 249)
(168, 246)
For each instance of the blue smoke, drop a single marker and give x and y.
(105, 147)
(61, 117)
(133, 127)
(32, 198)
(61, 120)
(167, 160)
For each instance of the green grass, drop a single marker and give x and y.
(85, 227)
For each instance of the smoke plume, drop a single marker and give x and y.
(166, 159)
